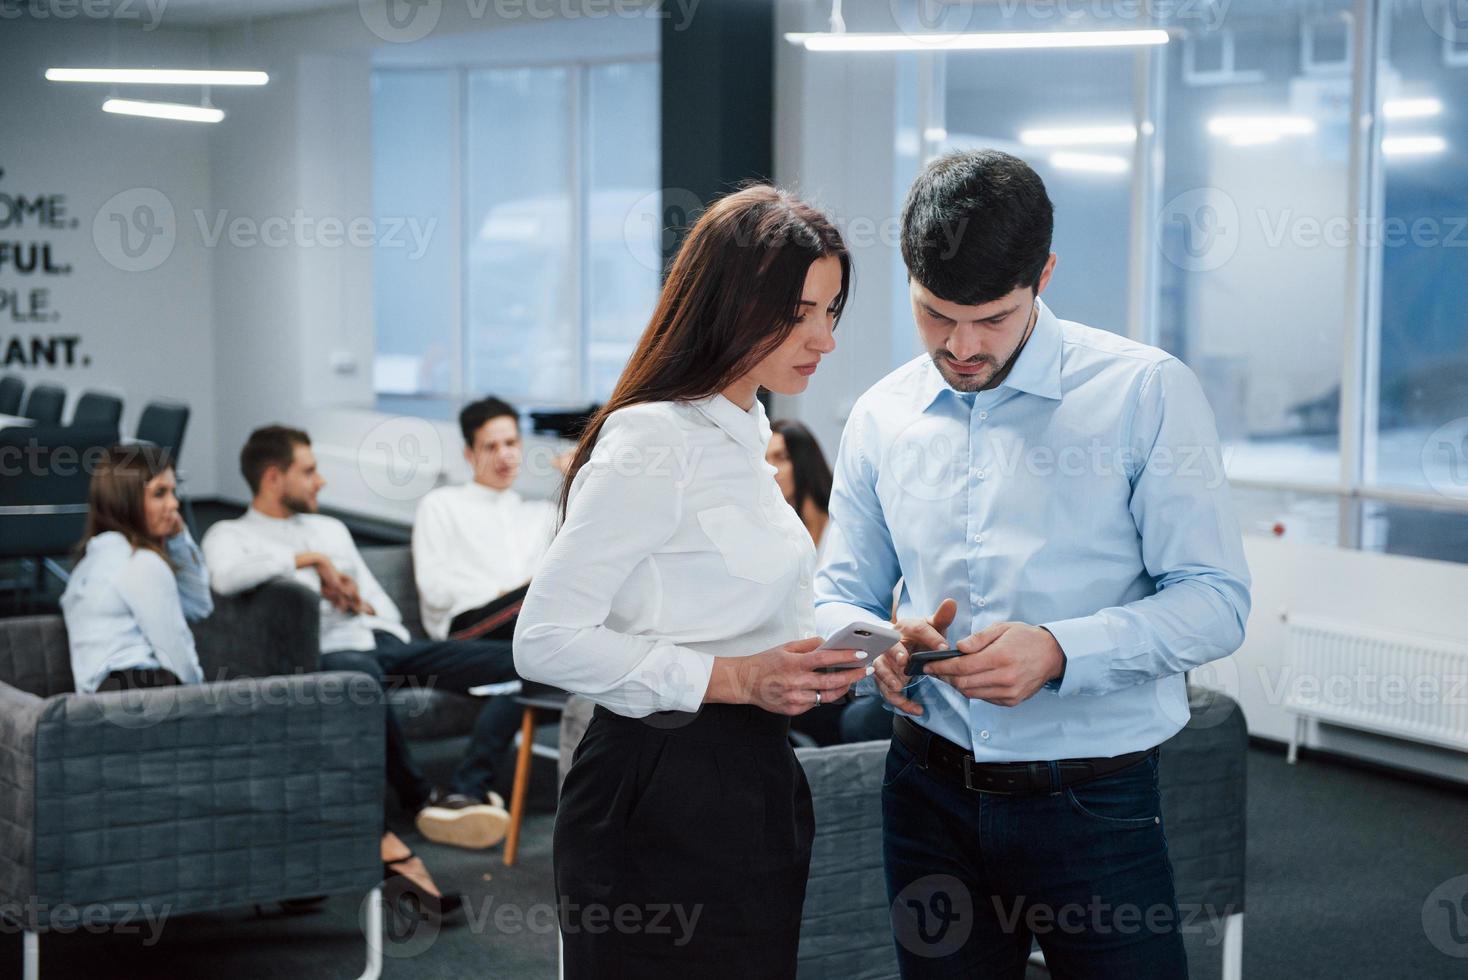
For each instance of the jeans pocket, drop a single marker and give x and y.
(900, 761)
(1124, 800)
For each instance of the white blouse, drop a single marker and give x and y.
(677, 548)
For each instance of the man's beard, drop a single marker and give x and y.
(966, 382)
(298, 505)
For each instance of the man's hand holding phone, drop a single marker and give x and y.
(917, 634)
(1004, 664)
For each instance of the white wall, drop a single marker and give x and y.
(145, 333)
(294, 324)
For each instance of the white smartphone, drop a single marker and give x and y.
(871, 638)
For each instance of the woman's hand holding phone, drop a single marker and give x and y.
(785, 679)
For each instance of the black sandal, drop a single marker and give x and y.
(409, 903)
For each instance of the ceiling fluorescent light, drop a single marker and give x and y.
(1257, 127)
(1092, 162)
(1412, 146)
(1411, 108)
(164, 110)
(156, 76)
(998, 41)
(1078, 136)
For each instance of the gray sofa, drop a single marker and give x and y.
(846, 931)
(180, 800)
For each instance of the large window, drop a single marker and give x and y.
(1213, 198)
(535, 285)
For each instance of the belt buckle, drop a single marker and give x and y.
(968, 774)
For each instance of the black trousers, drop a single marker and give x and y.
(445, 665)
(682, 847)
(138, 678)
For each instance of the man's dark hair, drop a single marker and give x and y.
(976, 226)
(475, 414)
(274, 445)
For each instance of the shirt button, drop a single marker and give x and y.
(984, 734)
(983, 415)
(980, 474)
(983, 602)
(978, 539)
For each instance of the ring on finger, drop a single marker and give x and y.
(818, 699)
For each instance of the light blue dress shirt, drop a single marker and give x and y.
(126, 608)
(1085, 494)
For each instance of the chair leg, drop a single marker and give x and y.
(374, 935)
(523, 760)
(1297, 735)
(31, 968)
(1233, 947)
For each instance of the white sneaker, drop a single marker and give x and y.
(455, 819)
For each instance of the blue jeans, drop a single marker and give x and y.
(973, 877)
(445, 665)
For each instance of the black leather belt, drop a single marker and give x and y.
(955, 763)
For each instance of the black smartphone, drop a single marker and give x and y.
(917, 660)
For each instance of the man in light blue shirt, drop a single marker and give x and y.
(1051, 500)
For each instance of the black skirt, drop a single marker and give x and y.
(682, 847)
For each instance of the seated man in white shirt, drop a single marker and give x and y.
(281, 535)
(477, 543)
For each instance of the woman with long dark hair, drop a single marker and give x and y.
(803, 475)
(677, 596)
(139, 577)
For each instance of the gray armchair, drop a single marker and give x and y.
(184, 799)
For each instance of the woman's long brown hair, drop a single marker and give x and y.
(730, 299)
(116, 496)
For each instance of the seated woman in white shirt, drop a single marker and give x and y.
(677, 596)
(139, 579)
(475, 543)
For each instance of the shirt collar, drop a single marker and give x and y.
(750, 429)
(1036, 371)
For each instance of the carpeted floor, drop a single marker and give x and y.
(1341, 862)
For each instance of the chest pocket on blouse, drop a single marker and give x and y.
(750, 549)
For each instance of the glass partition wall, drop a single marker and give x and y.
(1276, 196)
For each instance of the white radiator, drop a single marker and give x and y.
(1406, 685)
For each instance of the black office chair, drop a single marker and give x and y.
(93, 408)
(163, 424)
(12, 389)
(43, 497)
(44, 404)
